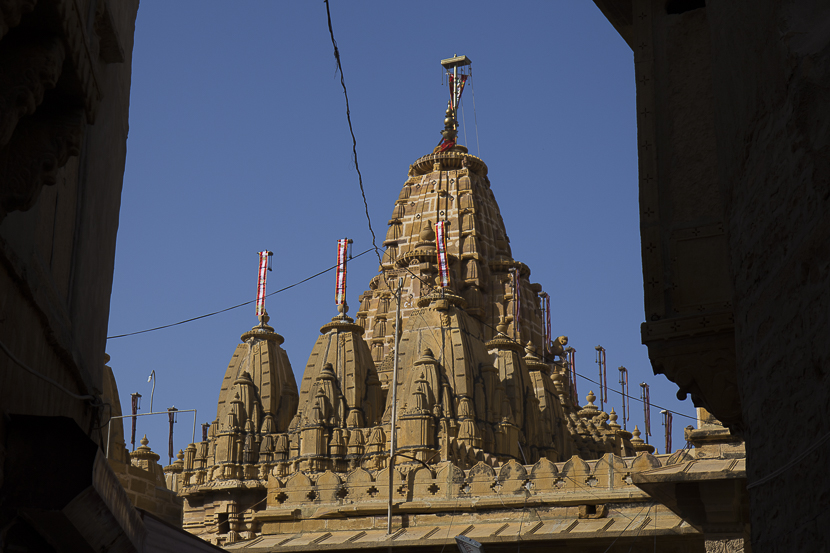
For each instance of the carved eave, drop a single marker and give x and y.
(504, 343)
(448, 161)
(421, 255)
(536, 365)
(263, 332)
(442, 299)
(698, 354)
(503, 264)
(709, 494)
(342, 324)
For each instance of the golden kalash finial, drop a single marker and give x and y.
(457, 80)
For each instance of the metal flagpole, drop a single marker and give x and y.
(644, 395)
(624, 386)
(393, 437)
(109, 424)
(153, 391)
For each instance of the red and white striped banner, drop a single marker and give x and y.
(443, 264)
(340, 282)
(456, 88)
(264, 265)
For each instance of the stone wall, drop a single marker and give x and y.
(146, 491)
(66, 70)
(765, 69)
(773, 117)
(309, 502)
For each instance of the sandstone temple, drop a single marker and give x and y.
(492, 442)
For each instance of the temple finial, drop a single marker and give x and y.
(457, 79)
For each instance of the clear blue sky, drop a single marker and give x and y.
(238, 142)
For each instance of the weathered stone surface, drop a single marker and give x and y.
(733, 149)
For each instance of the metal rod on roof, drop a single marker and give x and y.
(109, 424)
(393, 437)
(625, 402)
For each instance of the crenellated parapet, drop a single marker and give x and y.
(445, 487)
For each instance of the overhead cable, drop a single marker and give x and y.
(234, 306)
(43, 377)
(351, 130)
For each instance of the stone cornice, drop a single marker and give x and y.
(449, 161)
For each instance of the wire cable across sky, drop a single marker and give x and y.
(315, 275)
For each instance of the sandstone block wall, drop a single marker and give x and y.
(768, 68)
(146, 492)
(772, 71)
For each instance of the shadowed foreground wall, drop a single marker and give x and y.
(762, 75)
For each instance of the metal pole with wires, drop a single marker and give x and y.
(153, 391)
(644, 396)
(625, 402)
(667, 421)
(393, 437)
(603, 380)
(571, 368)
(136, 405)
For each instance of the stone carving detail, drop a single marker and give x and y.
(27, 71)
(41, 145)
(724, 546)
(40, 131)
(11, 12)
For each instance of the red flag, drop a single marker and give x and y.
(441, 241)
(340, 283)
(456, 89)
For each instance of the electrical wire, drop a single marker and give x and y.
(464, 124)
(351, 130)
(640, 400)
(234, 306)
(792, 463)
(475, 115)
(626, 528)
(43, 377)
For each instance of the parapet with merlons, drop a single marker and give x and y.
(417, 488)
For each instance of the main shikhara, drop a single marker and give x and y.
(487, 419)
